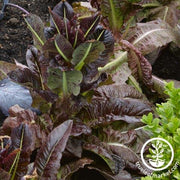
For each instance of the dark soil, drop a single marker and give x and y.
(14, 35)
(167, 65)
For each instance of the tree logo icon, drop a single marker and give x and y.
(159, 156)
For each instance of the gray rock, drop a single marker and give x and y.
(13, 21)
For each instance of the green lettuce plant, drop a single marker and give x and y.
(167, 124)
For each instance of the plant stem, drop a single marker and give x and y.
(19, 7)
(18, 155)
(40, 76)
(92, 25)
(60, 52)
(117, 62)
(75, 41)
(65, 22)
(159, 86)
(133, 82)
(81, 62)
(100, 35)
(65, 88)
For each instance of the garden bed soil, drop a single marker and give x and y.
(167, 65)
(14, 35)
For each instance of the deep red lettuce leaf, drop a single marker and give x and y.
(22, 133)
(140, 66)
(89, 23)
(36, 26)
(102, 112)
(72, 167)
(48, 159)
(118, 91)
(64, 9)
(8, 161)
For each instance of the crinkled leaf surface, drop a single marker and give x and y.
(90, 71)
(36, 26)
(8, 161)
(49, 47)
(111, 9)
(31, 59)
(64, 109)
(80, 128)
(64, 81)
(22, 133)
(146, 37)
(130, 157)
(139, 65)
(105, 36)
(26, 76)
(101, 112)
(64, 10)
(149, 3)
(36, 66)
(168, 13)
(126, 138)
(64, 45)
(19, 132)
(49, 156)
(103, 153)
(86, 53)
(12, 93)
(42, 98)
(118, 91)
(70, 168)
(88, 24)
(127, 145)
(17, 115)
(84, 10)
(56, 21)
(134, 138)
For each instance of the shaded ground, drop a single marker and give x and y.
(14, 35)
(167, 66)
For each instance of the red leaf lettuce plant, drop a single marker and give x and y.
(82, 115)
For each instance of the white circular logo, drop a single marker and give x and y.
(160, 156)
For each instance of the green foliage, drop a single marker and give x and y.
(112, 10)
(86, 53)
(66, 82)
(167, 125)
(36, 26)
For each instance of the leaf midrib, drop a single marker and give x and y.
(49, 157)
(113, 12)
(146, 34)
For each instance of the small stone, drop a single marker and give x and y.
(13, 21)
(6, 36)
